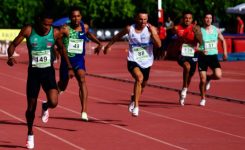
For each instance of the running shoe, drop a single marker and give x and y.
(182, 96)
(30, 142)
(183, 93)
(208, 85)
(45, 112)
(203, 102)
(135, 112)
(182, 102)
(84, 116)
(131, 104)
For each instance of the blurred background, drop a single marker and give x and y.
(108, 17)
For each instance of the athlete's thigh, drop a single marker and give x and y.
(137, 73)
(48, 80)
(33, 84)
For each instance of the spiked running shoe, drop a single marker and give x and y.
(45, 113)
(30, 142)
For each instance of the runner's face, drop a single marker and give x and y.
(188, 19)
(208, 20)
(76, 18)
(142, 20)
(46, 25)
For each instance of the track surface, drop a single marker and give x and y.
(162, 123)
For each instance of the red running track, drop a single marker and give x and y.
(162, 123)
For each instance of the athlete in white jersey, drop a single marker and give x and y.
(140, 47)
(142, 37)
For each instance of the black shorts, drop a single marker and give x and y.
(205, 61)
(192, 61)
(38, 77)
(145, 71)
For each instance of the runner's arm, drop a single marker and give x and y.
(155, 37)
(93, 38)
(25, 32)
(222, 39)
(116, 38)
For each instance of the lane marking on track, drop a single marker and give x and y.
(170, 118)
(178, 120)
(73, 145)
(155, 114)
(153, 98)
(169, 88)
(126, 129)
(38, 128)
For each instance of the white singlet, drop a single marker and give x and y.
(140, 47)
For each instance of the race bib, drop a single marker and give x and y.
(41, 59)
(140, 53)
(187, 50)
(210, 45)
(75, 46)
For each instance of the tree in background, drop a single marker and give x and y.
(16, 13)
(113, 13)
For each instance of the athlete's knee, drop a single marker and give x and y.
(218, 75)
(187, 67)
(203, 80)
(62, 85)
(139, 79)
(53, 103)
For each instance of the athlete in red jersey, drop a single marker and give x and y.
(189, 36)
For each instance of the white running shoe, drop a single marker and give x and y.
(45, 113)
(135, 112)
(203, 102)
(84, 116)
(30, 142)
(131, 104)
(182, 102)
(208, 85)
(183, 93)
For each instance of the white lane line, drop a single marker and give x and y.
(65, 108)
(126, 129)
(153, 98)
(123, 91)
(177, 120)
(38, 128)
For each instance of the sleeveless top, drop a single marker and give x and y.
(210, 41)
(75, 43)
(140, 47)
(187, 48)
(40, 49)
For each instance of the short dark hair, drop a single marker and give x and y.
(43, 15)
(74, 8)
(187, 12)
(207, 13)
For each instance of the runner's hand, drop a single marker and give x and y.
(98, 49)
(71, 73)
(225, 57)
(106, 49)
(151, 28)
(11, 61)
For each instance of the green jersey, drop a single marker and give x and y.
(40, 49)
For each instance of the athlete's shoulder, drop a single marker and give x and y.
(26, 30)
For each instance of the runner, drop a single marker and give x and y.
(74, 37)
(142, 36)
(209, 55)
(41, 38)
(188, 38)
